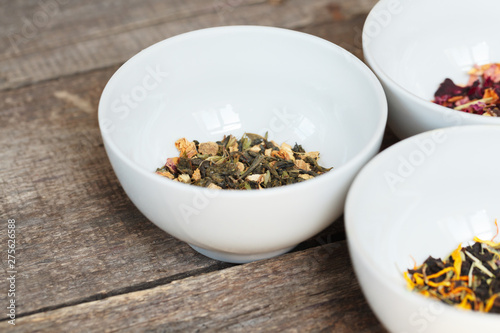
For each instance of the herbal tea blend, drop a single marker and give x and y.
(469, 278)
(252, 162)
(479, 96)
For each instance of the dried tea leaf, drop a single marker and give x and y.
(254, 137)
(252, 162)
(469, 278)
(245, 143)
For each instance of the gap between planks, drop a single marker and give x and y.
(110, 47)
(129, 289)
(304, 291)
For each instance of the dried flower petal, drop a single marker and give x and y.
(240, 167)
(312, 154)
(186, 148)
(469, 278)
(480, 95)
(213, 186)
(232, 144)
(286, 151)
(208, 148)
(492, 72)
(165, 174)
(491, 95)
(258, 178)
(255, 149)
(196, 175)
(184, 178)
(171, 164)
(301, 164)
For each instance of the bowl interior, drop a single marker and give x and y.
(424, 196)
(418, 44)
(232, 80)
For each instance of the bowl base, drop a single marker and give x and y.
(239, 258)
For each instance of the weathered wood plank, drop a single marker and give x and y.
(78, 234)
(293, 293)
(80, 238)
(345, 33)
(30, 26)
(80, 37)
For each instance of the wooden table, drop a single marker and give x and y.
(86, 258)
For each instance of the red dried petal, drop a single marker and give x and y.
(483, 85)
(475, 91)
(448, 87)
(171, 164)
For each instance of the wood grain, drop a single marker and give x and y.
(79, 236)
(83, 36)
(297, 292)
(88, 259)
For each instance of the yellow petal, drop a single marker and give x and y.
(457, 261)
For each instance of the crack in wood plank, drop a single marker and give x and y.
(140, 24)
(57, 181)
(84, 54)
(281, 294)
(73, 215)
(76, 100)
(217, 266)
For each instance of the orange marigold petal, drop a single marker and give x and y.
(490, 93)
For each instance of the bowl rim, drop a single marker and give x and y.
(351, 205)
(388, 80)
(358, 158)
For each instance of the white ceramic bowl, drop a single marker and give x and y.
(230, 80)
(412, 46)
(423, 196)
